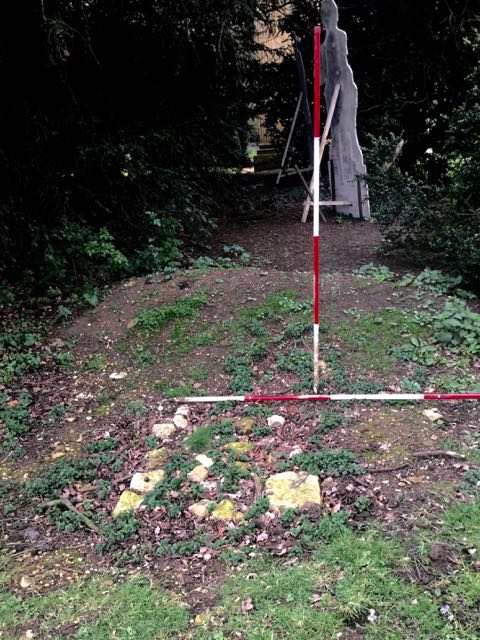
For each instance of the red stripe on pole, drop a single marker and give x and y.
(316, 82)
(316, 279)
(451, 396)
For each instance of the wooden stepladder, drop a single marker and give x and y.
(323, 142)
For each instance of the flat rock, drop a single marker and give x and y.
(199, 474)
(128, 501)
(432, 414)
(143, 482)
(200, 509)
(155, 458)
(183, 410)
(163, 430)
(275, 421)
(204, 460)
(292, 490)
(240, 448)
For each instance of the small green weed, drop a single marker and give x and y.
(326, 462)
(300, 363)
(457, 327)
(136, 408)
(241, 369)
(96, 362)
(60, 475)
(15, 416)
(200, 439)
(116, 530)
(258, 508)
(158, 317)
(151, 441)
(106, 444)
(374, 272)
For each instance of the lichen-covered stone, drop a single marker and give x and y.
(143, 482)
(200, 509)
(204, 460)
(198, 474)
(292, 490)
(128, 501)
(225, 510)
(240, 448)
(155, 458)
(163, 430)
(245, 425)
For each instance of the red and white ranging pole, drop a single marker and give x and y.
(334, 397)
(316, 206)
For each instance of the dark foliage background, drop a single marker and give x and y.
(122, 121)
(416, 65)
(119, 124)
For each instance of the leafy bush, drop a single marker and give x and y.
(456, 326)
(108, 177)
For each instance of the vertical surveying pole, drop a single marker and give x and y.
(316, 206)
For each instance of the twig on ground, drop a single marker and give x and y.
(438, 453)
(64, 502)
(389, 469)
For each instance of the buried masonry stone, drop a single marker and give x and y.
(292, 490)
(204, 460)
(163, 430)
(145, 482)
(199, 509)
(155, 458)
(240, 448)
(198, 474)
(245, 425)
(128, 501)
(180, 421)
(225, 510)
(275, 421)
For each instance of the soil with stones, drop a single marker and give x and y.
(123, 376)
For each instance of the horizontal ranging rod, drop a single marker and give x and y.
(334, 397)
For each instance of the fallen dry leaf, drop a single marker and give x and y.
(246, 606)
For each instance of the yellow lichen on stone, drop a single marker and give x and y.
(198, 474)
(225, 510)
(245, 425)
(292, 490)
(128, 501)
(155, 458)
(240, 448)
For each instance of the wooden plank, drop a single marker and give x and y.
(287, 172)
(307, 189)
(289, 139)
(323, 143)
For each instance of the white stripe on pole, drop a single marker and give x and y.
(316, 187)
(211, 399)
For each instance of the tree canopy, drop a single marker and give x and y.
(123, 121)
